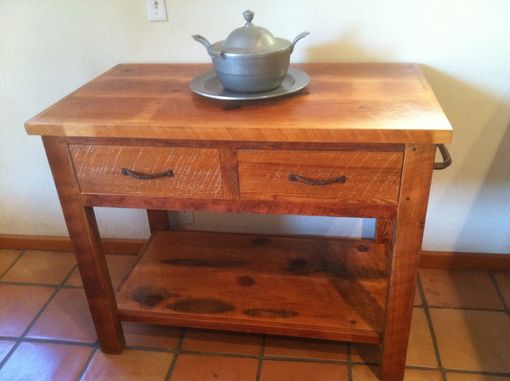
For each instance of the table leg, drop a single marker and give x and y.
(404, 261)
(158, 220)
(383, 230)
(90, 258)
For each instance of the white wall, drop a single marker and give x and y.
(49, 47)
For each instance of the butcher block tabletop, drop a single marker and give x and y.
(384, 103)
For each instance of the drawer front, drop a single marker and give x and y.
(195, 172)
(320, 176)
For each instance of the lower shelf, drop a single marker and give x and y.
(309, 287)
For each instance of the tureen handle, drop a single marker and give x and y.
(299, 37)
(213, 53)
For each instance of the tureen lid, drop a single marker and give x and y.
(251, 39)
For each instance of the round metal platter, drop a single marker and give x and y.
(208, 85)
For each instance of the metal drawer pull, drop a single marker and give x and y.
(305, 180)
(447, 159)
(145, 176)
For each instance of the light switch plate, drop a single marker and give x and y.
(187, 217)
(156, 10)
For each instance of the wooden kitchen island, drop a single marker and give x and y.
(359, 141)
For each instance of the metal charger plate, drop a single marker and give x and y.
(208, 85)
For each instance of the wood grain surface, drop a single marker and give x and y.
(323, 288)
(196, 171)
(384, 230)
(387, 103)
(83, 231)
(405, 257)
(375, 124)
(367, 176)
(158, 220)
(348, 208)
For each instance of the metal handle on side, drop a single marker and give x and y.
(308, 181)
(145, 176)
(447, 159)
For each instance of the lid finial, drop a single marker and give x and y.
(248, 16)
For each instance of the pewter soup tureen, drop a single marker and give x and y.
(251, 59)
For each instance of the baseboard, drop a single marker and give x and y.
(464, 261)
(36, 242)
(429, 259)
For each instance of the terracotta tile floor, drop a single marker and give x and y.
(460, 332)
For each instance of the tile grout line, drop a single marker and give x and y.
(425, 307)
(147, 348)
(244, 356)
(498, 290)
(16, 343)
(468, 309)
(177, 352)
(89, 360)
(477, 372)
(349, 361)
(261, 358)
(219, 354)
(21, 338)
(423, 367)
(49, 341)
(28, 284)
(368, 363)
(13, 263)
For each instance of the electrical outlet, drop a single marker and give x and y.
(156, 10)
(187, 218)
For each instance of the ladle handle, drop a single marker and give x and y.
(204, 41)
(299, 37)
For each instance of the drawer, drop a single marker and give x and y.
(183, 172)
(320, 176)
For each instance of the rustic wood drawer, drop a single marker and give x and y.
(183, 172)
(320, 176)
